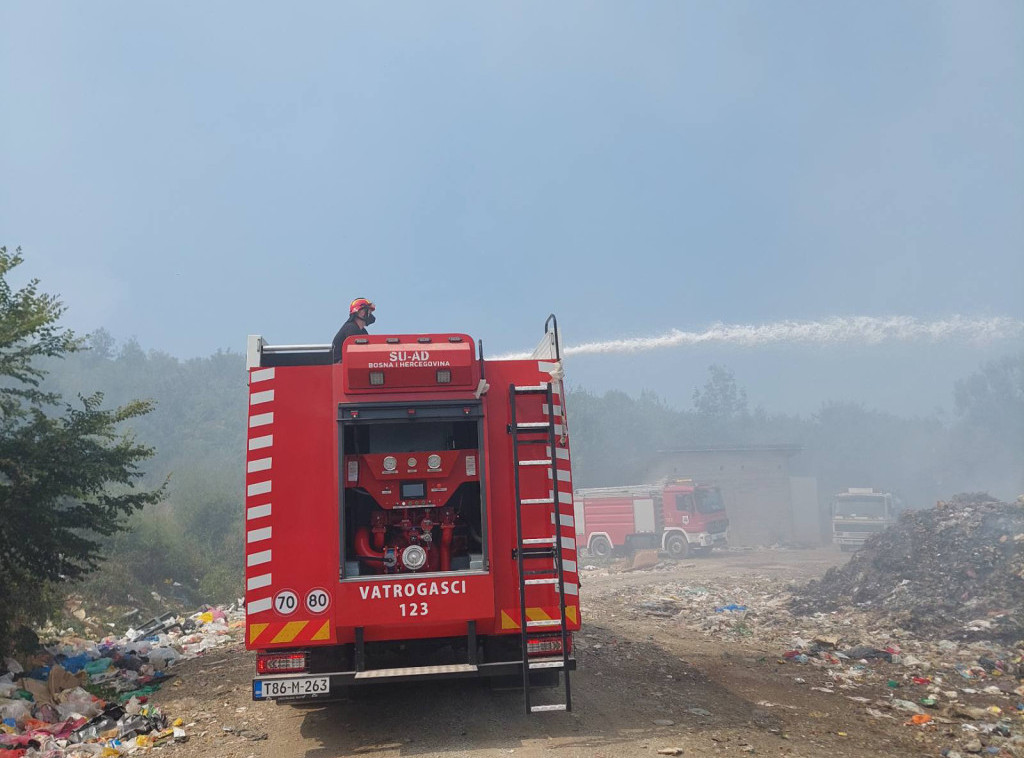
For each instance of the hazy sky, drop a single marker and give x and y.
(189, 173)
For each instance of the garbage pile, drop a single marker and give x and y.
(971, 689)
(956, 570)
(83, 698)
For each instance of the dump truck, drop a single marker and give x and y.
(860, 512)
(409, 517)
(678, 516)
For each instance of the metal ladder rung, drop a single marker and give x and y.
(528, 389)
(538, 501)
(533, 426)
(542, 462)
(547, 663)
(544, 622)
(542, 581)
(540, 708)
(540, 540)
(533, 553)
(523, 431)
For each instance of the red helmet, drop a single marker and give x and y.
(358, 304)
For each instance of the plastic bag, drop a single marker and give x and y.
(162, 657)
(18, 710)
(94, 668)
(78, 701)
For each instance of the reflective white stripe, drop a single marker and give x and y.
(258, 535)
(259, 488)
(262, 511)
(568, 543)
(558, 430)
(261, 375)
(256, 606)
(261, 397)
(565, 497)
(563, 519)
(261, 419)
(571, 589)
(560, 452)
(258, 443)
(569, 566)
(260, 464)
(547, 366)
(255, 559)
(563, 476)
(258, 581)
(558, 409)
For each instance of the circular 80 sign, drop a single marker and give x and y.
(318, 600)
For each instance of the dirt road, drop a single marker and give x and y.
(643, 685)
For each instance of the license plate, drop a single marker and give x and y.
(301, 687)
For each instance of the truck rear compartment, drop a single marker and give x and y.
(408, 521)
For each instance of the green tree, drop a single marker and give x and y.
(721, 399)
(68, 475)
(989, 433)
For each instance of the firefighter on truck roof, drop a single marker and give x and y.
(360, 315)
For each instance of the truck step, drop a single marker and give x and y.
(452, 668)
(538, 501)
(541, 462)
(547, 663)
(543, 622)
(541, 708)
(530, 389)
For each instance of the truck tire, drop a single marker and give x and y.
(600, 547)
(677, 547)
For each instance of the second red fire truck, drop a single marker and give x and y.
(409, 516)
(677, 516)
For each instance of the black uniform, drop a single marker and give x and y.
(349, 328)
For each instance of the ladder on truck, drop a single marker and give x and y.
(532, 581)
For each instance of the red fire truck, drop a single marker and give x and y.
(677, 516)
(409, 515)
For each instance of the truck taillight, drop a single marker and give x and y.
(281, 663)
(376, 378)
(544, 645)
(444, 376)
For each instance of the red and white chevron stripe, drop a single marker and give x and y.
(258, 491)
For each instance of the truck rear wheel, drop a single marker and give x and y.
(677, 547)
(600, 547)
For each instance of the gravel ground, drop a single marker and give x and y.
(654, 673)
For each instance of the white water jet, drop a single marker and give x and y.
(863, 330)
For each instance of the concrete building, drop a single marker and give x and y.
(766, 504)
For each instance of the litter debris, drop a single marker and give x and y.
(955, 570)
(886, 631)
(50, 710)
